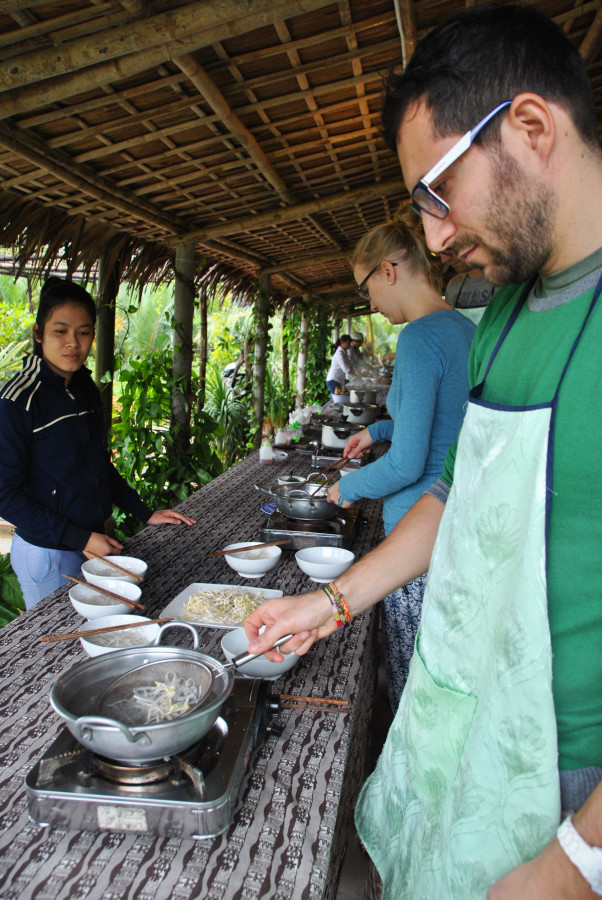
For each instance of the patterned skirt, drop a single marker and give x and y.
(400, 612)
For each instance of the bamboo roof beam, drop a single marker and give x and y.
(170, 32)
(34, 151)
(231, 121)
(277, 216)
(590, 43)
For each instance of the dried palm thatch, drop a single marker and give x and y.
(248, 128)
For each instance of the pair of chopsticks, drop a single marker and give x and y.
(248, 547)
(71, 635)
(100, 590)
(333, 468)
(113, 565)
(326, 704)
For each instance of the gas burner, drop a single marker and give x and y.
(190, 794)
(337, 532)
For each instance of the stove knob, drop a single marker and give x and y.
(274, 729)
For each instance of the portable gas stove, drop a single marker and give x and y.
(192, 794)
(337, 532)
(322, 456)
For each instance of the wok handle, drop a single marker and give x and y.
(263, 489)
(191, 629)
(243, 658)
(84, 730)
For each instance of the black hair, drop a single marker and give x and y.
(475, 60)
(56, 292)
(343, 337)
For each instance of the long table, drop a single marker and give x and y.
(289, 832)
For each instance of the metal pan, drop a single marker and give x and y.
(300, 503)
(88, 689)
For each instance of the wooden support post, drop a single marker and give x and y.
(262, 312)
(108, 287)
(203, 351)
(182, 348)
(302, 358)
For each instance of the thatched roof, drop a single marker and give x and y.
(247, 126)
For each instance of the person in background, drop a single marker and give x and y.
(57, 482)
(426, 403)
(489, 783)
(468, 291)
(340, 366)
(354, 353)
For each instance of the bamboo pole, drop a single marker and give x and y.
(262, 311)
(286, 214)
(182, 349)
(231, 121)
(302, 357)
(108, 278)
(147, 42)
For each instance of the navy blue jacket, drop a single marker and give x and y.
(57, 482)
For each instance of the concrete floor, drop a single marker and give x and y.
(355, 866)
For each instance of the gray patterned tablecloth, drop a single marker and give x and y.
(289, 832)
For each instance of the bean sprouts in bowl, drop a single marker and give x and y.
(123, 639)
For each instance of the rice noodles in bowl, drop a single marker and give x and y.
(124, 639)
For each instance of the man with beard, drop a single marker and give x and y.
(498, 736)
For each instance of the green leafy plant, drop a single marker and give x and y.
(10, 358)
(11, 598)
(231, 412)
(143, 442)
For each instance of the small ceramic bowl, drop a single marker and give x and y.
(323, 564)
(291, 479)
(92, 605)
(96, 571)
(236, 641)
(252, 563)
(118, 640)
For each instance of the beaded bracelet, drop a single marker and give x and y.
(340, 609)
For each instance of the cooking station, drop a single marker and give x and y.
(281, 808)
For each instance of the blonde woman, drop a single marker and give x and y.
(429, 390)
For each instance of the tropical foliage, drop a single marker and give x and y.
(11, 598)
(142, 441)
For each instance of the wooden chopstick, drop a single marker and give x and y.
(95, 587)
(327, 700)
(249, 547)
(337, 464)
(317, 708)
(114, 565)
(53, 638)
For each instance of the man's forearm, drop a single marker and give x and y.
(403, 555)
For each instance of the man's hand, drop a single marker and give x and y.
(550, 876)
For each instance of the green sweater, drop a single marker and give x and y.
(526, 372)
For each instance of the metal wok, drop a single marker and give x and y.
(300, 502)
(87, 691)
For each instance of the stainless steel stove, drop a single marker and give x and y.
(192, 794)
(322, 456)
(338, 532)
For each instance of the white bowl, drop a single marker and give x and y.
(124, 639)
(291, 479)
(236, 641)
(92, 604)
(249, 564)
(323, 564)
(98, 572)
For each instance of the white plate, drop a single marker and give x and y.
(175, 609)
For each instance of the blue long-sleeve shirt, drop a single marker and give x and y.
(426, 403)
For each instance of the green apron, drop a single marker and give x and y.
(467, 784)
